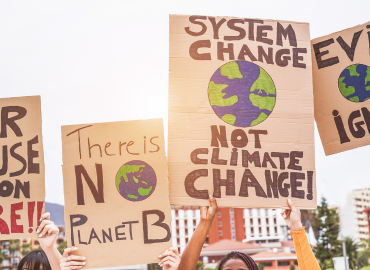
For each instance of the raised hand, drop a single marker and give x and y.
(292, 216)
(48, 232)
(170, 259)
(69, 262)
(209, 212)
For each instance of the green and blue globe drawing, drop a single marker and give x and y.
(136, 180)
(354, 83)
(242, 93)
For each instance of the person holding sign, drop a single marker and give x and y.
(238, 260)
(48, 257)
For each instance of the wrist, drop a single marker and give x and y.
(296, 227)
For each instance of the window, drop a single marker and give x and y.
(266, 263)
(295, 262)
(5, 262)
(231, 212)
(220, 233)
(283, 263)
(252, 230)
(266, 212)
(219, 224)
(250, 212)
(233, 238)
(219, 215)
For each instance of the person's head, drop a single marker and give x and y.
(35, 260)
(237, 261)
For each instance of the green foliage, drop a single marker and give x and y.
(352, 251)
(326, 222)
(292, 267)
(365, 268)
(2, 256)
(61, 247)
(261, 266)
(200, 265)
(26, 248)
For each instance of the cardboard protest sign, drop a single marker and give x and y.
(22, 173)
(241, 124)
(117, 207)
(341, 79)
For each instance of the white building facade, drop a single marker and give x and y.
(262, 226)
(265, 227)
(353, 221)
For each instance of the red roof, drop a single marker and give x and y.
(230, 245)
(288, 243)
(269, 255)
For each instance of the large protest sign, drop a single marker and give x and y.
(241, 124)
(117, 207)
(341, 79)
(22, 174)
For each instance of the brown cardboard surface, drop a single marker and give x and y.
(22, 182)
(328, 97)
(289, 126)
(142, 144)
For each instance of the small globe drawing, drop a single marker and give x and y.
(136, 180)
(354, 83)
(242, 93)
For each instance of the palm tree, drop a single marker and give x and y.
(352, 248)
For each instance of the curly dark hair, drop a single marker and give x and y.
(241, 256)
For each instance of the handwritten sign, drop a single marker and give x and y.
(341, 79)
(241, 122)
(116, 192)
(22, 177)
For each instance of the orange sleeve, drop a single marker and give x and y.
(305, 256)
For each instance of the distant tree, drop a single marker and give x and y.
(326, 223)
(62, 246)
(200, 265)
(26, 248)
(292, 267)
(13, 247)
(352, 248)
(2, 258)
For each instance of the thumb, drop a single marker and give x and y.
(292, 205)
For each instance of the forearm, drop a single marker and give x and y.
(305, 256)
(191, 253)
(53, 256)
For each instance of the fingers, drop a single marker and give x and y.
(68, 250)
(172, 251)
(43, 224)
(203, 211)
(71, 261)
(50, 229)
(168, 259)
(45, 216)
(292, 205)
(175, 250)
(213, 203)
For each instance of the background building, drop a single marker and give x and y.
(353, 219)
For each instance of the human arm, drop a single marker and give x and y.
(191, 253)
(170, 259)
(48, 233)
(305, 256)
